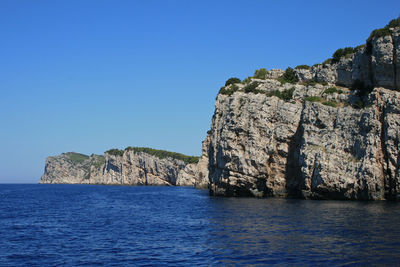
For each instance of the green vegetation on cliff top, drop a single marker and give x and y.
(394, 23)
(302, 67)
(76, 157)
(289, 75)
(164, 154)
(260, 74)
(232, 80)
(155, 152)
(228, 90)
(114, 152)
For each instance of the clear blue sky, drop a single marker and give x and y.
(87, 76)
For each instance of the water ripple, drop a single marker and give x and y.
(50, 225)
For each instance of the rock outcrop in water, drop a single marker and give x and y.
(123, 168)
(317, 138)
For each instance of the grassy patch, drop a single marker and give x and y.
(77, 157)
(312, 82)
(164, 154)
(330, 103)
(332, 90)
(323, 101)
(314, 99)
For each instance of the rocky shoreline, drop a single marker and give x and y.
(125, 168)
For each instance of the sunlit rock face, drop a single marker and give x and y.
(131, 168)
(318, 144)
(376, 64)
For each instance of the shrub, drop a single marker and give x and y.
(317, 64)
(385, 30)
(359, 47)
(252, 88)
(228, 90)
(379, 33)
(302, 67)
(284, 95)
(394, 23)
(327, 62)
(342, 52)
(260, 74)
(310, 82)
(288, 76)
(288, 94)
(232, 80)
(323, 83)
(314, 99)
(164, 154)
(330, 103)
(358, 104)
(247, 80)
(332, 90)
(115, 152)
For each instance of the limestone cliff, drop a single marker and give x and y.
(312, 140)
(377, 64)
(126, 168)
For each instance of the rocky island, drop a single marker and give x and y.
(329, 131)
(132, 166)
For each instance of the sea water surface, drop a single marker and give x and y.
(56, 225)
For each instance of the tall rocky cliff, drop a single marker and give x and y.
(125, 168)
(316, 138)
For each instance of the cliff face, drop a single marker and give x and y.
(131, 168)
(196, 174)
(319, 144)
(376, 64)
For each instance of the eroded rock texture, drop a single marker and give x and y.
(263, 146)
(342, 144)
(132, 168)
(376, 64)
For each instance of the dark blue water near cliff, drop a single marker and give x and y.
(47, 225)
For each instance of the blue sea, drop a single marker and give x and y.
(71, 225)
